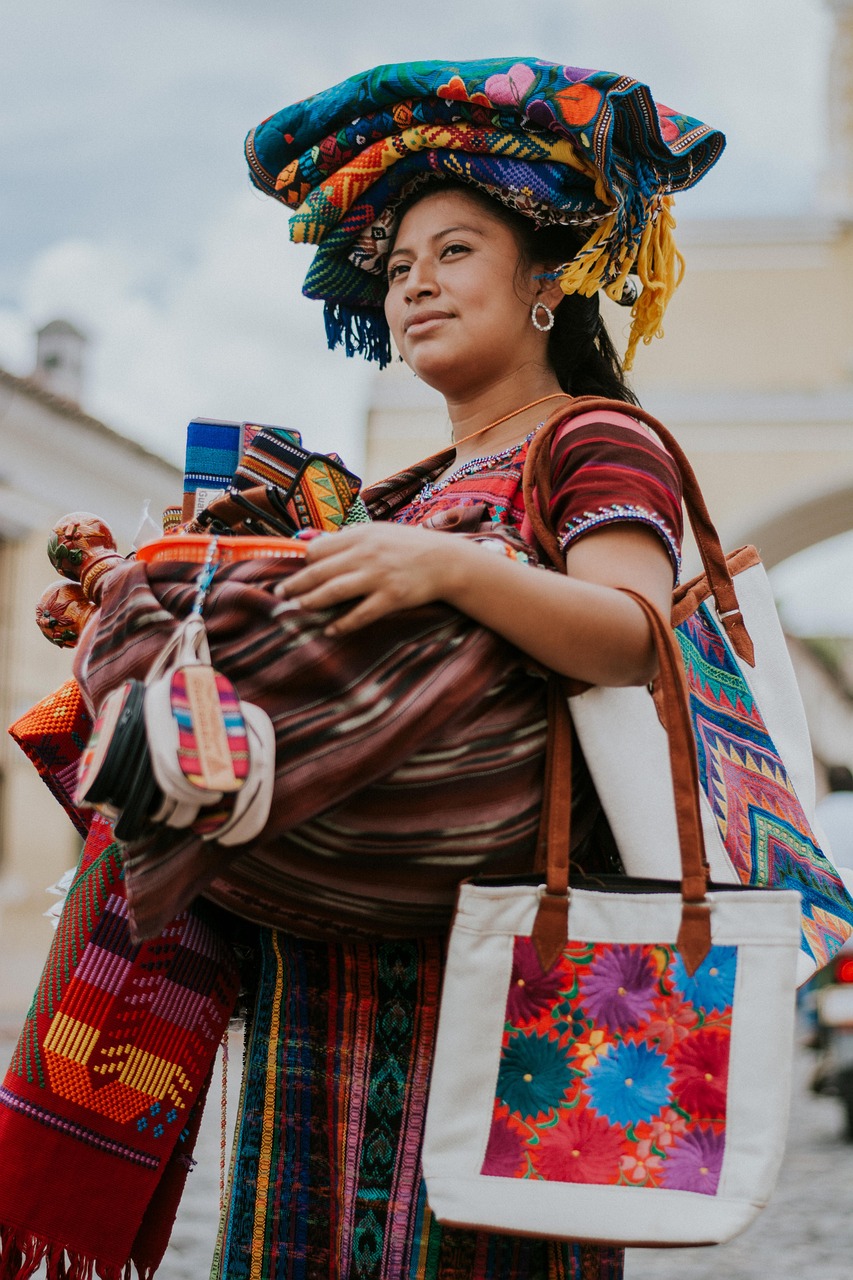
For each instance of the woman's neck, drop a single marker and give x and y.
(502, 415)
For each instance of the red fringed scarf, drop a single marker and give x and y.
(100, 1108)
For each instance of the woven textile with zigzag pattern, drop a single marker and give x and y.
(761, 821)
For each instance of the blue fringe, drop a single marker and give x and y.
(364, 333)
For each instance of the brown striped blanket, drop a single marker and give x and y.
(408, 755)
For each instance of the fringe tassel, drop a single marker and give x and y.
(359, 333)
(608, 257)
(22, 1254)
(587, 271)
(660, 268)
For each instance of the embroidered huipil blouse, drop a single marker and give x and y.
(607, 469)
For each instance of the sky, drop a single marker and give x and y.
(125, 204)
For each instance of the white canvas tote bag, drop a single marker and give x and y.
(613, 1061)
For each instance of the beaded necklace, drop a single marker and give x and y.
(472, 466)
(477, 464)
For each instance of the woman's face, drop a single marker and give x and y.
(458, 306)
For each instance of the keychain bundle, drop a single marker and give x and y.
(180, 748)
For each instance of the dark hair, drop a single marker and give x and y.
(580, 350)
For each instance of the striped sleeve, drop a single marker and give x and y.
(609, 468)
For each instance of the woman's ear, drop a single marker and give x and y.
(547, 289)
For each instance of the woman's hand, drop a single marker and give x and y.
(578, 625)
(385, 567)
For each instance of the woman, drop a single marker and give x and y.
(325, 1179)
(474, 212)
(462, 289)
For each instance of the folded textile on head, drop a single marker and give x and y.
(562, 144)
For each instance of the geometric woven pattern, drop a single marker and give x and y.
(318, 490)
(760, 819)
(52, 734)
(102, 1098)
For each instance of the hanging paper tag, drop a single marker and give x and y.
(212, 741)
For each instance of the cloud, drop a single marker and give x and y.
(226, 335)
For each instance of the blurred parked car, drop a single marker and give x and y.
(831, 1000)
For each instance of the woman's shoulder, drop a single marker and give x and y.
(609, 466)
(609, 426)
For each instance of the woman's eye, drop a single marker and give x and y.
(452, 250)
(399, 268)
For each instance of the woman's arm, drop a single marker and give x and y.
(577, 625)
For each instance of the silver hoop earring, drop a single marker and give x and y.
(549, 317)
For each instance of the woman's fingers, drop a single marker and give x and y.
(383, 567)
(366, 611)
(335, 590)
(318, 572)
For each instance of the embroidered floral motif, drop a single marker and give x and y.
(712, 986)
(695, 1162)
(530, 990)
(619, 988)
(584, 1149)
(534, 1075)
(632, 1083)
(614, 1068)
(701, 1066)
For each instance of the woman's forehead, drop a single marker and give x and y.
(440, 210)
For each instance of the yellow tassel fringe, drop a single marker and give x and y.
(659, 266)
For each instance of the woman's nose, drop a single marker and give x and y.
(420, 282)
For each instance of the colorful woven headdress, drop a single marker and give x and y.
(559, 144)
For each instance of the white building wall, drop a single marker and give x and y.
(55, 460)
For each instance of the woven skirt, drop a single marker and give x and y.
(326, 1173)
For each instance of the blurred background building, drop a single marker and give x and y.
(56, 459)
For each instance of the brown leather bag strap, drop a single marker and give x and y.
(536, 486)
(674, 705)
(551, 927)
(550, 931)
(554, 839)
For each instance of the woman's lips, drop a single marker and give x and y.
(425, 323)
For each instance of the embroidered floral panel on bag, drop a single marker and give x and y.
(761, 821)
(614, 1068)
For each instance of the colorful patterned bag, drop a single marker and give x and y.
(280, 488)
(750, 736)
(621, 1075)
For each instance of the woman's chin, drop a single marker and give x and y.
(442, 371)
